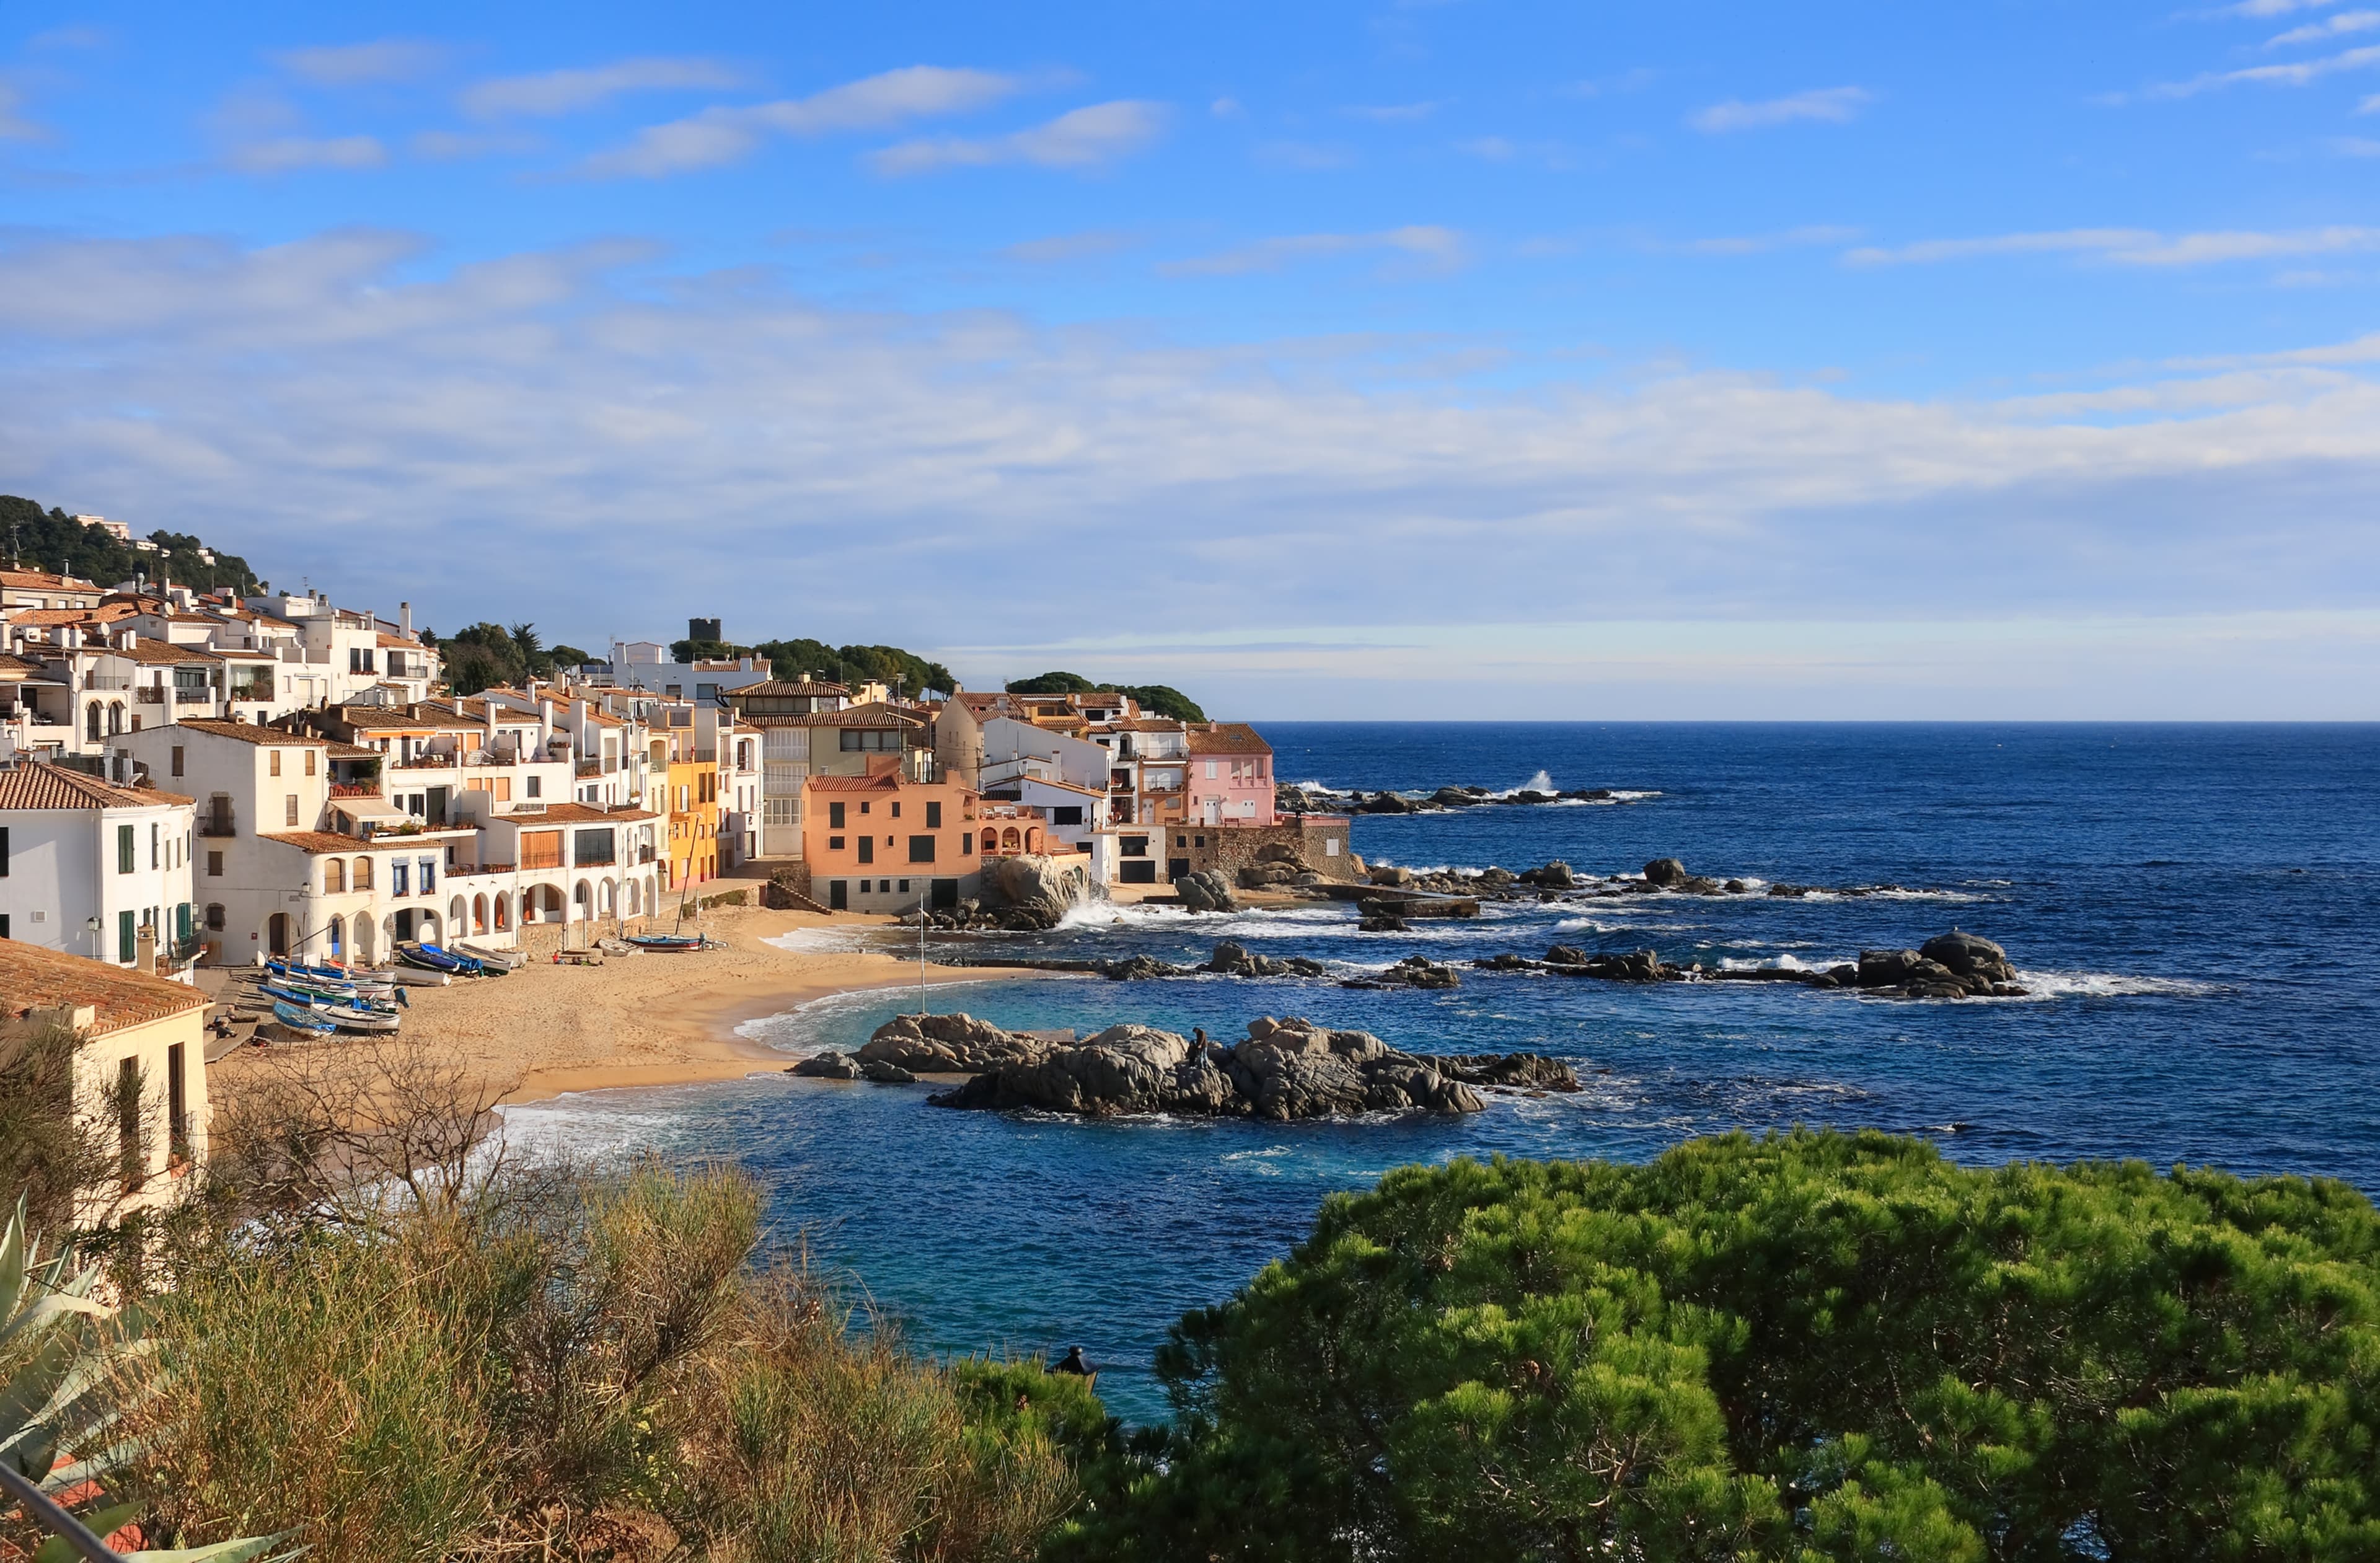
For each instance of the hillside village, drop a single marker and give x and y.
(192, 777)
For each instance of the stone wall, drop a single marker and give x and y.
(1231, 848)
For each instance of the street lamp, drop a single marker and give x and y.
(91, 925)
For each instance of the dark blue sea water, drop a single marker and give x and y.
(2197, 910)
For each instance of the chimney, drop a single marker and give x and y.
(405, 620)
(146, 945)
(544, 727)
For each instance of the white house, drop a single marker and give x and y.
(96, 868)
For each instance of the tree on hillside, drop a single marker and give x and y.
(1156, 699)
(1807, 1347)
(54, 541)
(906, 673)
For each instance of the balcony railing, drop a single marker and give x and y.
(149, 695)
(425, 762)
(590, 768)
(108, 681)
(355, 789)
(218, 825)
(193, 697)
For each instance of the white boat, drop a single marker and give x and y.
(510, 960)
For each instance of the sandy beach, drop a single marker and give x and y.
(641, 1020)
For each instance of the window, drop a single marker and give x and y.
(361, 878)
(177, 1104)
(309, 762)
(177, 760)
(215, 916)
(1181, 840)
(127, 938)
(536, 788)
(921, 850)
(429, 876)
(1134, 846)
(1211, 771)
(1198, 840)
(590, 847)
(834, 816)
(966, 844)
(4, 851)
(896, 808)
(872, 741)
(867, 848)
(864, 886)
(334, 875)
(540, 849)
(397, 877)
(289, 810)
(272, 765)
(933, 816)
(834, 843)
(124, 849)
(863, 805)
(128, 1121)
(1066, 814)
(214, 865)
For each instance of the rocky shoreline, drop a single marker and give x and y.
(1305, 800)
(1286, 1070)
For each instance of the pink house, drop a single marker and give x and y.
(1230, 780)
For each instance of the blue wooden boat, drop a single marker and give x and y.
(671, 944)
(301, 1020)
(428, 957)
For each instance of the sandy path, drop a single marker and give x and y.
(639, 1020)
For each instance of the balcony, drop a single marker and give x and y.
(149, 695)
(194, 696)
(108, 681)
(425, 762)
(355, 789)
(589, 768)
(217, 826)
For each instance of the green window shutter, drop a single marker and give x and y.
(128, 938)
(124, 849)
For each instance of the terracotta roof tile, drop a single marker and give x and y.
(579, 814)
(33, 784)
(322, 840)
(252, 732)
(156, 653)
(34, 978)
(1227, 738)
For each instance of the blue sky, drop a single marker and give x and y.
(1463, 358)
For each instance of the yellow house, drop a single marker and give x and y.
(142, 1067)
(693, 810)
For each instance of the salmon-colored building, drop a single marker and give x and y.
(891, 839)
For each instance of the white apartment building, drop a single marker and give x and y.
(96, 868)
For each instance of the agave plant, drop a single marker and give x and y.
(82, 1368)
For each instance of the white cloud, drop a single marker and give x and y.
(2369, 105)
(1808, 550)
(14, 125)
(2130, 247)
(1437, 249)
(451, 146)
(1396, 113)
(1226, 108)
(546, 94)
(1832, 105)
(350, 65)
(2296, 74)
(2260, 9)
(2337, 26)
(1071, 247)
(1083, 138)
(725, 134)
(285, 154)
(2355, 146)
(1762, 244)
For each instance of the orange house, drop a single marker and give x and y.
(693, 809)
(887, 840)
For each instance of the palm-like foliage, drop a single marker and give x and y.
(76, 1369)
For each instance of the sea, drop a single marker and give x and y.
(2194, 909)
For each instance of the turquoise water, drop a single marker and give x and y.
(2194, 907)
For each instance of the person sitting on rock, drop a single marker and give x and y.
(1072, 1363)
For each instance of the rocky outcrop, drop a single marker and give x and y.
(1286, 1070)
(1139, 968)
(1300, 800)
(1276, 865)
(1413, 971)
(827, 1066)
(1207, 890)
(1952, 965)
(1036, 883)
(958, 1044)
(1234, 960)
(1553, 876)
(1664, 871)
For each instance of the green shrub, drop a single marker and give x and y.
(1805, 1347)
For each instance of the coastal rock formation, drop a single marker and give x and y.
(1286, 1070)
(1952, 965)
(1035, 885)
(1556, 874)
(1234, 960)
(827, 1066)
(1664, 871)
(1206, 891)
(1413, 971)
(1381, 921)
(957, 1043)
(1277, 864)
(1289, 799)
(1139, 968)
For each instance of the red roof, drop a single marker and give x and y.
(36, 785)
(1227, 738)
(34, 978)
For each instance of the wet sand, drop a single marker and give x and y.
(641, 1020)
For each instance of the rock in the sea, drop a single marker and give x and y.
(1391, 875)
(1234, 960)
(1553, 876)
(1413, 971)
(1387, 803)
(1969, 955)
(1286, 1069)
(1951, 966)
(1141, 968)
(954, 1044)
(1383, 922)
(1507, 962)
(1036, 884)
(885, 1073)
(1664, 871)
(1642, 965)
(1206, 891)
(827, 1066)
